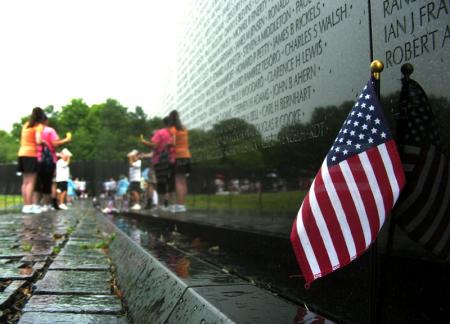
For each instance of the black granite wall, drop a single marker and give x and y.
(264, 87)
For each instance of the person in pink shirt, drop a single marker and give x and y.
(163, 161)
(46, 156)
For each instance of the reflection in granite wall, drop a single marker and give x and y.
(415, 32)
(270, 63)
(264, 86)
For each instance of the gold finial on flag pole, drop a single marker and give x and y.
(376, 67)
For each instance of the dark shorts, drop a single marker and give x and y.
(164, 187)
(44, 178)
(61, 186)
(165, 176)
(183, 166)
(27, 164)
(135, 186)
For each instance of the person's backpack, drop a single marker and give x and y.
(47, 163)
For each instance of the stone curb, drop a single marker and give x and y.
(155, 294)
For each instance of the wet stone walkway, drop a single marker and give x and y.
(53, 269)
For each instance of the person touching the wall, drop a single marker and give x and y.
(30, 138)
(182, 160)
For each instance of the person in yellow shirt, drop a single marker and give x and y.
(30, 138)
(182, 159)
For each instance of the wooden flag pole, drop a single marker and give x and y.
(376, 67)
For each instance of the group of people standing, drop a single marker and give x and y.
(170, 156)
(45, 177)
(43, 174)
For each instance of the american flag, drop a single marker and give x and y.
(355, 188)
(423, 209)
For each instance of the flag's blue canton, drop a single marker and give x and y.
(364, 128)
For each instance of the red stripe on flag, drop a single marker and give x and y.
(331, 220)
(349, 209)
(315, 238)
(300, 254)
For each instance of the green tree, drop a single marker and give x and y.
(72, 116)
(8, 147)
(105, 131)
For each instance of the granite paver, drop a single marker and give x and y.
(63, 318)
(75, 283)
(54, 257)
(94, 304)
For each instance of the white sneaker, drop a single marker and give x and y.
(44, 208)
(27, 209)
(180, 209)
(136, 207)
(172, 208)
(63, 207)
(163, 208)
(36, 209)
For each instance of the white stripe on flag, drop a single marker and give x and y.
(390, 171)
(439, 216)
(323, 229)
(340, 214)
(357, 201)
(418, 189)
(419, 217)
(306, 244)
(374, 187)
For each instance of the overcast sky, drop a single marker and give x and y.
(55, 50)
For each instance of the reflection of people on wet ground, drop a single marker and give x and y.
(46, 155)
(149, 183)
(71, 194)
(162, 161)
(30, 138)
(110, 187)
(82, 188)
(122, 189)
(245, 186)
(273, 182)
(219, 183)
(62, 176)
(182, 160)
(234, 186)
(135, 179)
(182, 267)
